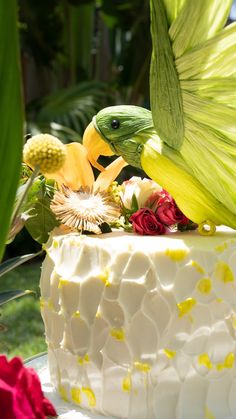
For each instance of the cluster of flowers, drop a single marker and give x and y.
(150, 209)
(82, 203)
(21, 395)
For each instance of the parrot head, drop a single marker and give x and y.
(118, 130)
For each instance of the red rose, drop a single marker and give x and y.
(169, 214)
(21, 395)
(145, 221)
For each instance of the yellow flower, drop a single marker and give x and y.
(83, 203)
(45, 152)
(77, 172)
(95, 146)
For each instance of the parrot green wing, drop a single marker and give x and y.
(197, 22)
(165, 92)
(179, 29)
(203, 53)
(173, 8)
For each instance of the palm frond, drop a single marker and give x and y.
(73, 107)
(65, 134)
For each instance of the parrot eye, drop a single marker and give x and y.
(115, 123)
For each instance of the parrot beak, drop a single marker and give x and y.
(95, 146)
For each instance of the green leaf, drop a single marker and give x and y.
(7, 296)
(40, 220)
(105, 228)
(36, 212)
(34, 191)
(12, 263)
(165, 94)
(134, 204)
(198, 21)
(11, 114)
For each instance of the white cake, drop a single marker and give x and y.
(142, 327)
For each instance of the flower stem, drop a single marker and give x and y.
(28, 185)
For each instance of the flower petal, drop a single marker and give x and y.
(95, 146)
(76, 171)
(109, 174)
(9, 370)
(48, 408)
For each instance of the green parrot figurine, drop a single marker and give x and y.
(187, 142)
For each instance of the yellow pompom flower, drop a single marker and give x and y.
(45, 152)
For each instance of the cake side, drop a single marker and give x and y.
(142, 328)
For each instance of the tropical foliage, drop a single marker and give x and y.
(67, 112)
(11, 120)
(11, 115)
(80, 56)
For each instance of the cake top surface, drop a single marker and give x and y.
(121, 240)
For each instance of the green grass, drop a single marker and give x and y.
(21, 323)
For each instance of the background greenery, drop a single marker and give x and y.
(21, 326)
(77, 56)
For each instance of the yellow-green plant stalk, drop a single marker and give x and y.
(188, 141)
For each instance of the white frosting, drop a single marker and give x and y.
(143, 327)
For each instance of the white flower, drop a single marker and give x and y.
(85, 209)
(141, 188)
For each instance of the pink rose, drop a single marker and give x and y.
(169, 214)
(145, 221)
(21, 395)
(153, 200)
